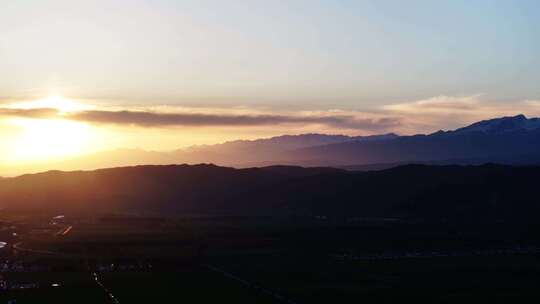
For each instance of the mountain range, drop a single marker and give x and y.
(506, 140)
(477, 193)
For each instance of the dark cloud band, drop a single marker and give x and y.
(157, 119)
(153, 119)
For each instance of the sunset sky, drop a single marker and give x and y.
(83, 76)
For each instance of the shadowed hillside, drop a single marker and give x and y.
(489, 192)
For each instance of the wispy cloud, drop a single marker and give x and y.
(438, 104)
(449, 112)
(421, 116)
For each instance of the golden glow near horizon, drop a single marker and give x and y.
(38, 140)
(48, 139)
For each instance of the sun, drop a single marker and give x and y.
(41, 139)
(49, 139)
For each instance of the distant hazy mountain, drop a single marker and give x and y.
(240, 153)
(268, 151)
(477, 193)
(514, 140)
(506, 140)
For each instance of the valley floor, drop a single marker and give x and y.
(262, 260)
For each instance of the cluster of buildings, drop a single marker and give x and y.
(6, 285)
(123, 266)
(8, 266)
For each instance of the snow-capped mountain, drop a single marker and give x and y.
(503, 124)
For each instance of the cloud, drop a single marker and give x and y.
(450, 112)
(28, 113)
(157, 119)
(474, 105)
(183, 117)
(443, 104)
(533, 104)
(420, 116)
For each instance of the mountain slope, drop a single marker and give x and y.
(160, 189)
(243, 153)
(503, 124)
(478, 193)
(505, 140)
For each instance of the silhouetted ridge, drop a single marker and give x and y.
(480, 193)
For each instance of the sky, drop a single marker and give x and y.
(159, 75)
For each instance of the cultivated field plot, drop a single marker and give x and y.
(54, 287)
(128, 239)
(441, 280)
(184, 285)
